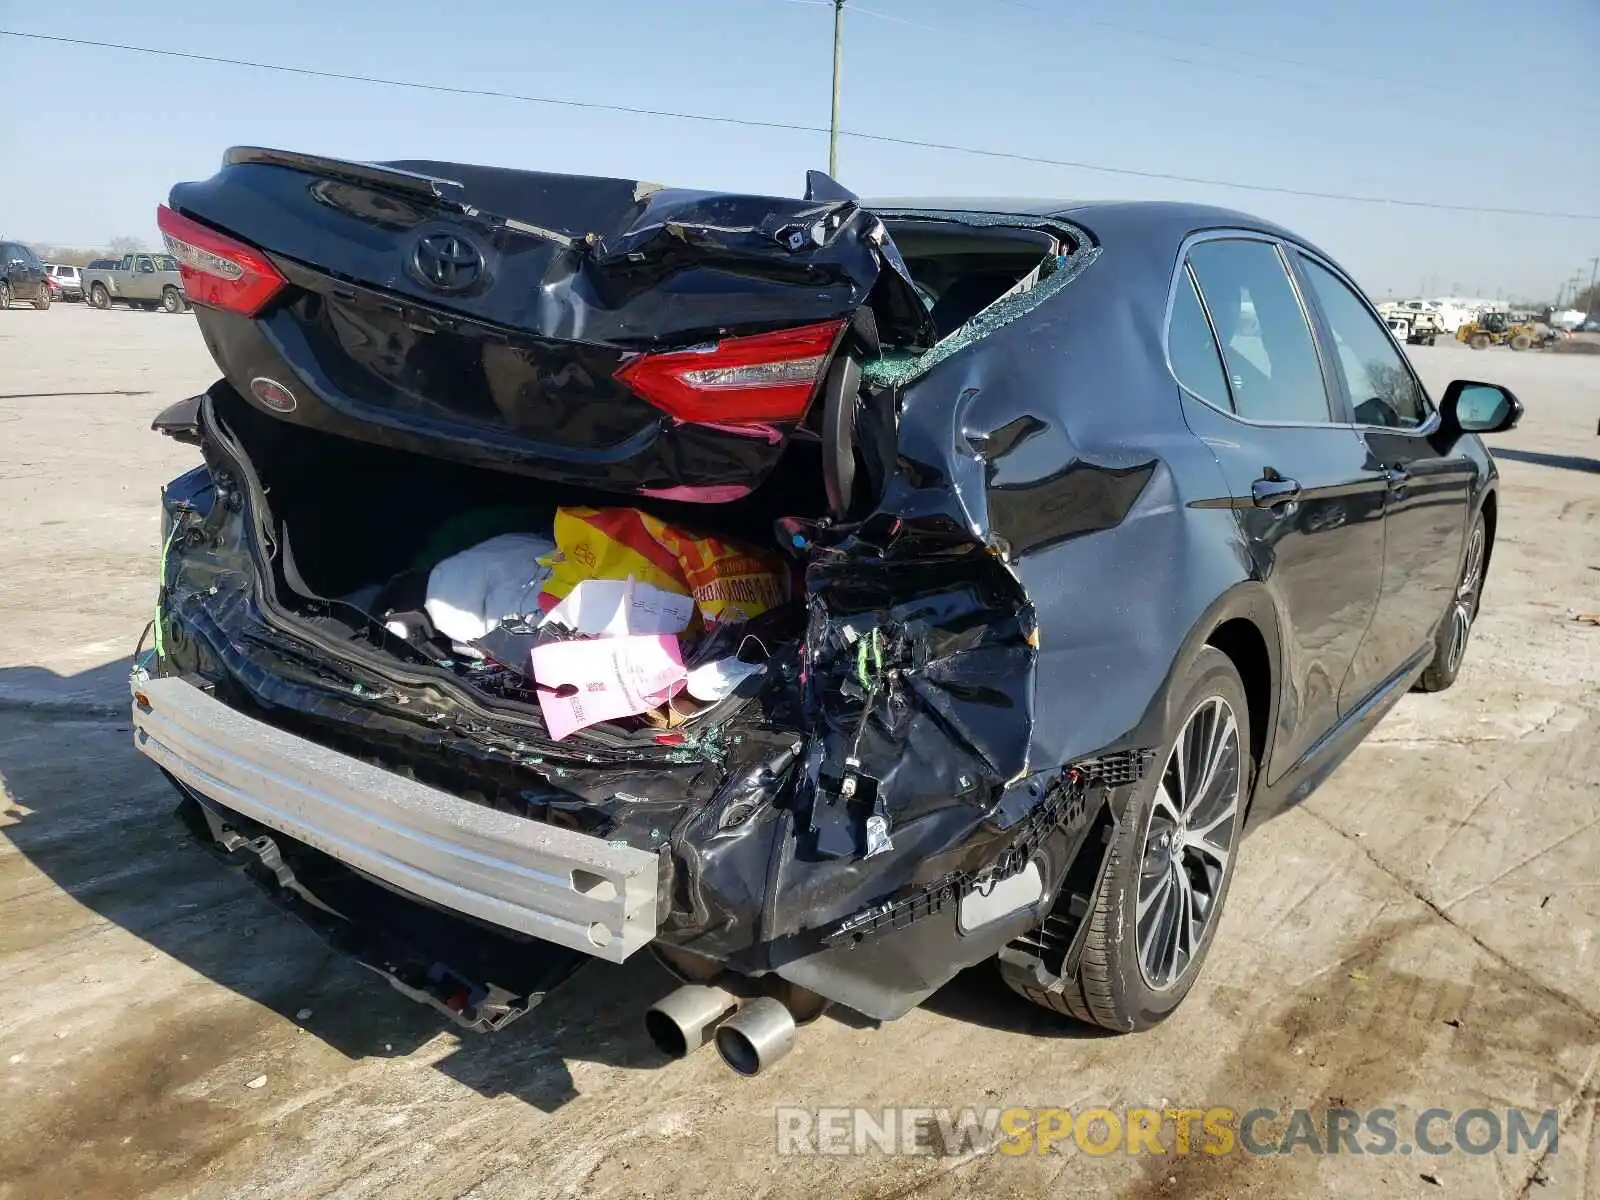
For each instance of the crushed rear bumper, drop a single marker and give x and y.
(558, 885)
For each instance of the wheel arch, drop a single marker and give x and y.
(1489, 508)
(1243, 624)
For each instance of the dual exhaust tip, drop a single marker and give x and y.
(750, 1035)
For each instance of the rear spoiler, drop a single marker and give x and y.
(373, 174)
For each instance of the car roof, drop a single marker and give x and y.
(1126, 213)
(1168, 221)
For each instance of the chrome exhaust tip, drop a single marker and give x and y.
(685, 1020)
(757, 1036)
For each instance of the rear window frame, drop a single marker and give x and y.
(1339, 412)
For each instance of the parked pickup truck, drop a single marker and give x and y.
(145, 281)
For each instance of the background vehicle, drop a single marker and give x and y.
(22, 276)
(68, 278)
(1497, 329)
(1426, 319)
(1052, 656)
(147, 281)
(1418, 327)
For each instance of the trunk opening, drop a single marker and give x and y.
(357, 505)
(348, 519)
(359, 512)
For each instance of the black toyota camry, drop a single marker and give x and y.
(826, 595)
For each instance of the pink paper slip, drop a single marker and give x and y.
(613, 677)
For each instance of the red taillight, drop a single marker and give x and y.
(764, 377)
(216, 269)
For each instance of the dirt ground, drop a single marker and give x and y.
(1424, 932)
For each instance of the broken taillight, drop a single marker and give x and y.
(217, 270)
(762, 377)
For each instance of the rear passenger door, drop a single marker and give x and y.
(1429, 482)
(1309, 504)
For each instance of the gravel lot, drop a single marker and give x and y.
(1425, 932)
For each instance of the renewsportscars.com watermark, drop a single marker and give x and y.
(1136, 1131)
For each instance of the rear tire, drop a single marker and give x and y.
(99, 297)
(43, 302)
(1142, 954)
(1480, 341)
(1455, 628)
(5, 294)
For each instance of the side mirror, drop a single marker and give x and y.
(1479, 407)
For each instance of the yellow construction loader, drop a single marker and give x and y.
(1496, 329)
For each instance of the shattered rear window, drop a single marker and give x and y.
(1048, 277)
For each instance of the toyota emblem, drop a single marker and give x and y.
(447, 262)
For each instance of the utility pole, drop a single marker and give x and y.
(1594, 270)
(833, 125)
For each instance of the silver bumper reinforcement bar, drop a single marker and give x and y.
(565, 887)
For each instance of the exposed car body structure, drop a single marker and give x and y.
(1067, 605)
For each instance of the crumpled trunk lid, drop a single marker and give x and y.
(483, 314)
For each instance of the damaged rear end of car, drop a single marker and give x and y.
(419, 358)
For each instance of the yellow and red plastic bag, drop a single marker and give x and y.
(729, 582)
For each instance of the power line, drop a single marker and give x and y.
(796, 127)
(1068, 21)
(868, 12)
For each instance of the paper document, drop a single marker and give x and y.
(618, 607)
(717, 680)
(609, 678)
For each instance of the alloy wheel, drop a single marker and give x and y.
(1188, 840)
(5, 294)
(1465, 606)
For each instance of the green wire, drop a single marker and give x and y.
(160, 642)
(868, 683)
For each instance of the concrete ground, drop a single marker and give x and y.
(1424, 932)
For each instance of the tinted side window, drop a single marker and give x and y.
(1192, 349)
(1266, 343)
(1382, 388)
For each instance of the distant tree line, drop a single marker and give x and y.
(75, 256)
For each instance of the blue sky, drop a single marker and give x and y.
(1466, 103)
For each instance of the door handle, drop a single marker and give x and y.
(1273, 491)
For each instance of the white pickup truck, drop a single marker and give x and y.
(147, 281)
(1415, 322)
